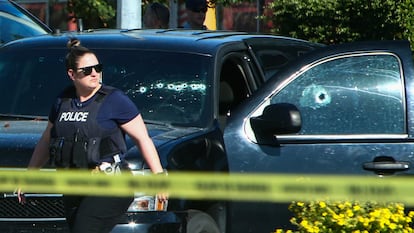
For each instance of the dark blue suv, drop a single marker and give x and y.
(186, 85)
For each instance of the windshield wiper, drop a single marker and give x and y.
(22, 117)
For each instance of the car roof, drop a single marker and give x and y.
(197, 41)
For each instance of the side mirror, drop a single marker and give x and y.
(281, 118)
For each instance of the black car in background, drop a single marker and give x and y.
(186, 85)
(16, 23)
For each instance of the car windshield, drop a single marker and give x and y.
(167, 87)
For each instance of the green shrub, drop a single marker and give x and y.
(347, 217)
(337, 21)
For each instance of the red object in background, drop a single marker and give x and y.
(55, 17)
(240, 17)
(72, 26)
(244, 17)
(37, 9)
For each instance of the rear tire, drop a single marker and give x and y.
(200, 222)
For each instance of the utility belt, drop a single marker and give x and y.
(81, 152)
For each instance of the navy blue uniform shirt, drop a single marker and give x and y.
(116, 109)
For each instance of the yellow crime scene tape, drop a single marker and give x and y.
(240, 186)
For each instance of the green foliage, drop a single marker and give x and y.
(94, 13)
(344, 217)
(337, 21)
(406, 18)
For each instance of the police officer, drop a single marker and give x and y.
(86, 130)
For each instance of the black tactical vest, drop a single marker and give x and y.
(78, 141)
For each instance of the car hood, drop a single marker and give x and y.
(11, 127)
(19, 137)
(17, 140)
(163, 133)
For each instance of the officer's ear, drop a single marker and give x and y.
(71, 74)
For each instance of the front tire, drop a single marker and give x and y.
(200, 222)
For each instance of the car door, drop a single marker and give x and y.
(355, 103)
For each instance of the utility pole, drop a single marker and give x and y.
(173, 13)
(129, 14)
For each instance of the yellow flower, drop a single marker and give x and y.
(396, 217)
(355, 217)
(349, 213)
(375, 214)
(400, 207)
(304, 224)
(392, 226)
(365, 221)
(300, 203)
(341, 222)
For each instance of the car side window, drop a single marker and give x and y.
(275, 53)
(236, 85)
(355, 94)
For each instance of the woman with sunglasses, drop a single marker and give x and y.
(86, 131)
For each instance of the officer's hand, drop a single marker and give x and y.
(20, 196)
(162, 197)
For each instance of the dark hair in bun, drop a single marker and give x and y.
(76, 50)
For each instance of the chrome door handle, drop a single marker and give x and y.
(386, 166)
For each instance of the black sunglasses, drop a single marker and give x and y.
(88, 69)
